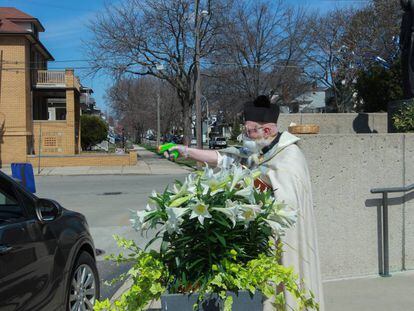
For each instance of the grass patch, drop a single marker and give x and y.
(180, 161)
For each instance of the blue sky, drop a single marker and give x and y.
(65, 23)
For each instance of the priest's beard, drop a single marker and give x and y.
(256, 145)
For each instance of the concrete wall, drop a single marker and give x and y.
(338, 123)
(343, 170)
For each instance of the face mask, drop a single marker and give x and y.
(252, 146)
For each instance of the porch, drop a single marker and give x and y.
(55, 79)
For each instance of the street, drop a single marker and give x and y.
(105, 200)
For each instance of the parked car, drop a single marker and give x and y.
(47, 255)
(219, 142)
(193, 142)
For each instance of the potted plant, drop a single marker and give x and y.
(217, 249)
(403, 120)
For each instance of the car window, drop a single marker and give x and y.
(221, 139)
(10, 208)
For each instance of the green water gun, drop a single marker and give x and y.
(166, 148)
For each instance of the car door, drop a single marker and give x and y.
(26, 252)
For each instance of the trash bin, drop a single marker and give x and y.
(24, 173)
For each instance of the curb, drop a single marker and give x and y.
(152, 306)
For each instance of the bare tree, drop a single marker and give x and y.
(373, 31)
(133, 37)
(261, 52)
(260, 42)
(344, 41)
(328, 58)
(134, 102)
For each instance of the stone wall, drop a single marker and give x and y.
(344, 168)
(338, 123)
(128, 159)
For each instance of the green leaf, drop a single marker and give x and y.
(222, 221)
(220, 238)
(164, 246)
(195, 263)
(178, 202)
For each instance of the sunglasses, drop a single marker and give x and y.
(248, 131)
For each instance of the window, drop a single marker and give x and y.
(10, 208)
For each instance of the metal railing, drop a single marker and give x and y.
(384, 266)
(50, 77)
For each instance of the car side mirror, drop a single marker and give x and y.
(47, 210)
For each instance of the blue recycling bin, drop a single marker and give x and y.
(24, 173)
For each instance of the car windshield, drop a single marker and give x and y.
(221, 139)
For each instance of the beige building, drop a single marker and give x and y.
(39, 108)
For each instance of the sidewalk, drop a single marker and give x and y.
(395, 293)
(372, 293)
(149, 163)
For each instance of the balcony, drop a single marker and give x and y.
(56, 79)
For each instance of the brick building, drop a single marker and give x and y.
(39, 108)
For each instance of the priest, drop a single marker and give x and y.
(285, 171)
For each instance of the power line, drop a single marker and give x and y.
(204, 62)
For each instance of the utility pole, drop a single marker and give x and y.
(158, 120)
(199, 133)
(160, 68)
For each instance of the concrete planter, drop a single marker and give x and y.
(241, 302)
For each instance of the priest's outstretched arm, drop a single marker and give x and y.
(207, 156)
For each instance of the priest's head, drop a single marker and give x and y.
(260, 124)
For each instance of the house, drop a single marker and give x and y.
(39, 108)
(310, 101)
(88, 103)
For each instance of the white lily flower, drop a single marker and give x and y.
(231, 211)
(179, 191)
(151, 200)
(248, 193)
(200, 210)
(238, 174)
(176, 212)
(276, 227)
(249, 212)
(138, 220)
(208, 172)
(150, 208)
(174, 218)
(216, 183)
(284, 217)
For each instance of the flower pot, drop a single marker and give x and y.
(182, 302)
(304, 129)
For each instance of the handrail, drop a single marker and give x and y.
(394, 189)
(383, 252)
(50, 77)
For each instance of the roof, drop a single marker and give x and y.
(15, 15)
(10, 27)
(12, 13)
(10, 24)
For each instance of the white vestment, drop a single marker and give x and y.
(289, 177)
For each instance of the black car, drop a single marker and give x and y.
(219, 142)
(47, 255)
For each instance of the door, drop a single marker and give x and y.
(26, 252)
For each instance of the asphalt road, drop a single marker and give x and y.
(106, 202)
